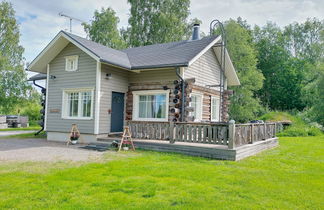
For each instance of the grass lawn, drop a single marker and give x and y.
(22, 129)
(25, 135)
(288, 177)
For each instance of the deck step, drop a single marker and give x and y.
(100, 147)
(114, 135)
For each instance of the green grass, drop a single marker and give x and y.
(22, 129)
(25, 135)
(298, 127)
(288, 177)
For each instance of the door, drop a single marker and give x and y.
(117, 112)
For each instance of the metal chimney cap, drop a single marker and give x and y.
(195, 32)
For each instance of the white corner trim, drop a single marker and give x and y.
(204, 50)
(97, 104)
(46, 97)
(149, 92)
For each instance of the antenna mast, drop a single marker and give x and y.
(70, 18)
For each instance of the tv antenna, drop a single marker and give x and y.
(71, 18)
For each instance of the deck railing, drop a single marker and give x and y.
(230, 134)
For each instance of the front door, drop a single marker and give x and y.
(117, 112)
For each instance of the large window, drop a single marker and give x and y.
(77, 104)
(151, 105)
(196, 103)
(215, 108)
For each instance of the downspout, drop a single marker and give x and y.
(38, 132)
(183, 99)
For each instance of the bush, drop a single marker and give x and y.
(32, 110)
(298, 128)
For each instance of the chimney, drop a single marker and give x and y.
(195, 32)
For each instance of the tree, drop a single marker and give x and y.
(302, 39)
(13, 85)
(244, 105)
(104, 29)
(157, 21)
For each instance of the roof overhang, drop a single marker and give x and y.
(230, 73)
(60, 41)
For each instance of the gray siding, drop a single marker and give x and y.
(153, 76)
(118, 83)
(84, 77)
(205, 69)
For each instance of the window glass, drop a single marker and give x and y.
(78, 104)
(215, 109)
(73, 104)
(86, 104)
(196, 104)
(152, 106)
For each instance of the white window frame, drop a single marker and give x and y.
(200, 112)
(136, 95)
(65, 108)
(75, 58)
(212, 110)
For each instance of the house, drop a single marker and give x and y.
(99, 88)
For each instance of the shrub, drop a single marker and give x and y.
(298, 128)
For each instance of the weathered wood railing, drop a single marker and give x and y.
(230, 134)
(252, 132)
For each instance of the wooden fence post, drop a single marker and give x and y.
(231, 134)
(265, 131)
(252, 133)
(172, 137)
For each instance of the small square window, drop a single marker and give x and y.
(71, 63)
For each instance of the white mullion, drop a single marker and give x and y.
(79, 104)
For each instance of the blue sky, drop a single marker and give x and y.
(40, 22)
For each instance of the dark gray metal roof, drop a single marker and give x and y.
(39, 76)
(172, 54)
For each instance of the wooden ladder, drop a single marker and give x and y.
(127, 136)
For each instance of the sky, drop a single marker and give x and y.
(39, 20)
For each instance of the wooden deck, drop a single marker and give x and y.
(213, 151)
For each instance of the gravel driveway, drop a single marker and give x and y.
(42, 150)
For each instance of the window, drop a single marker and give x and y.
(151, 105)
(77, 104)
(215, 108)
(71, 63)
(196, 103)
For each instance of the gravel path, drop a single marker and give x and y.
(42, 150)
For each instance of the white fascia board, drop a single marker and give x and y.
(46, 53)
(217, 39)
(230, 73)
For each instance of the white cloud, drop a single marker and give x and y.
(41, 22)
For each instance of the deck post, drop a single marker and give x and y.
(171, 136)
(231, 134)
(252, 133)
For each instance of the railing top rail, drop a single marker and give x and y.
(181, 123)
(248, 124)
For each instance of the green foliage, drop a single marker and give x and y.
(244, 105)
(152, 180)
(104, 29)
(298, 128)
(157, 21)
(13, 85)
